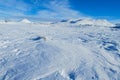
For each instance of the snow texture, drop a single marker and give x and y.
(59, 51)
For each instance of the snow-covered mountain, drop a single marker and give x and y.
(7, 22)
(2, 21)
(117, 25)
(90, 22)
(60, 51)
(25, 21)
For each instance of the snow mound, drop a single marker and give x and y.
(25, 21)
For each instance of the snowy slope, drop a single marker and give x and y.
(59, 51)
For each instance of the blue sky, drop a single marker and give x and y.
(98, 8)
(59, 9)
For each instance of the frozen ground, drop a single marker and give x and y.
(59, 51)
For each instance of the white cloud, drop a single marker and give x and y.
(60, 9)
(12, 8)
(54, 9)
(15, 4)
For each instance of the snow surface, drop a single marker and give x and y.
(59, 51)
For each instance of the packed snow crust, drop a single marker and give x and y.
(59, 51)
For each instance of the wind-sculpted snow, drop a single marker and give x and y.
(59, 51)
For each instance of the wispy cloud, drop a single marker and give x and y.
(14, 4)
(59, 10)
(47, 9)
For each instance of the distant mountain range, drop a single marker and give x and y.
(82, 22)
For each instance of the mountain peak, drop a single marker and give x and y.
(26, 21)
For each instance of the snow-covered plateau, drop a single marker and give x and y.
(66, 50)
